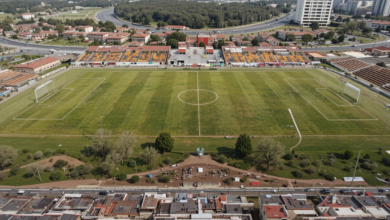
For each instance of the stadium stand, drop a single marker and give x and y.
(19, 79)
(124, 56)
(375, 74)
(348, 64)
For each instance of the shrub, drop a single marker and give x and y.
(15, 170)
(29, 156)
(298, 174)
(332, 161)
(2, 176)
(370, 166)
(48, 169)
(366, 156)
(316, 163)
(331, 155)
(131, 163)
(347, 168)
(185, 155)
(329, 177)
(75, 173)
(60, 164)
(164, 178)
(288, 157)
(348, 154)
(121, 177)
(305, 156)
(168, 160)
(25, 150)
(305, 162)
(56, 175)
(59, 151)
(222, 158)
(134, 179)
(243, 180)
(311, 170)
(38, 155)
(152, 181)
(228, 180)
(290, 163)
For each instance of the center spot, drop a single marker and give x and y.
(191, 97)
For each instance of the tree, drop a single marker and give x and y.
(59, 164)
(298, 174)
(33, 169)
(255, 42)
(126, 144)
(125, 26)
(101, 141)
(121, 177)
(56, 175)
(335, 41)
(60, 28)
(382, 64)
(305, 162)
(378, 29)
(149, 155)
(38, 155)
(75, 173)
(243, 145)
(339, 19)
(362, 24)
(164, 178)
(315, 25)
(179, 36)
(332, 161)
(201, 44)
(307, 38)
(311, 170)
(366, 30)
(290, 37)
(7, 156)
(134, 179)
(107, 167)
(155, 37)
(348, 154)
(269, 150)
(164, 142)
(329, 177)
(14, 170)
(48, 152)
(341, 38)
(113, 158)
(173, 43)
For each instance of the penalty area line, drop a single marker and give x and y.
(299, 133)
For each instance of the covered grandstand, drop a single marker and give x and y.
(13, 80)
(195, 56)
(124, 56)
(263, 56)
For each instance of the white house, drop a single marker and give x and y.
(28, 15)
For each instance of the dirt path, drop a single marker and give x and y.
(46, 162)
(206, 160)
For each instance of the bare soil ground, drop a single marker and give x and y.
(46, 162)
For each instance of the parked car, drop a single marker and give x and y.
(325, 191)
(383, 190)
(345, 191)
(103, 193)
(309, 190)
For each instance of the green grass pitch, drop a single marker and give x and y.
(193, 103)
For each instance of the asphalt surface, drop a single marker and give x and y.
(278, 190)
(108, 15)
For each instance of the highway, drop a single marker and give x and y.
(108, 15)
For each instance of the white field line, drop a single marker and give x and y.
(299, 133)
(318, 90)
(197, 88)
(372, 119)
(60, 119)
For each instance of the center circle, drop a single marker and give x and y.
(190, 97)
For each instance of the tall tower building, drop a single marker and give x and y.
(381, 7)
(309, 11)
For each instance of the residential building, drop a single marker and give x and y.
(98, 36)
(68, 35)
(38, 66)
(37, 36)
(373, 24)
(121, 29)
(28, 15)
(86, 29)
(9, 33)
(144, 38)
(24, 36)
(267, 38)
(120, 37)
(381, 7)
(309, 11)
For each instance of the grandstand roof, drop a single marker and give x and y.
(18, 79)
(316, 54)
(37, 63)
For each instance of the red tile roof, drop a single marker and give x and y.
(140, 35)
(37, 63)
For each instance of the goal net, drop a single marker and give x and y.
(44, 90)
(352, 92)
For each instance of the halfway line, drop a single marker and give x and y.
(197, 88)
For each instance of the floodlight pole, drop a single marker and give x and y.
(320, 164)
(387, 121)
(39, 176)
(101, 127)
(354, 172)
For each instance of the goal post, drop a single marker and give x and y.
(44, 89)
(352, 92)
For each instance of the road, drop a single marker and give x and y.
(108, 15)
(133, 190)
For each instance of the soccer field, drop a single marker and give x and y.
(196, 103)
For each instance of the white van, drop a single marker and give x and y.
(21, 192)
